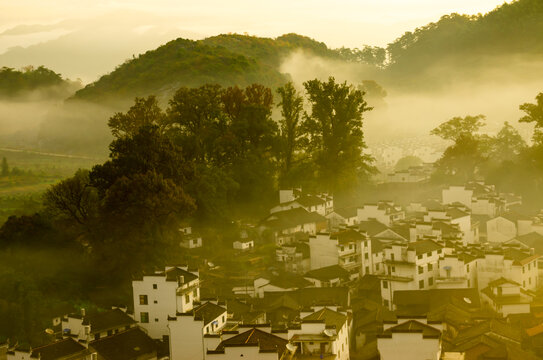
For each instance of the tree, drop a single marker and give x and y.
(144, 112)
(334, 133)
(463, 159)
(458, 127)
(508, 144)
(406, 162)
(196, 119)
(534, 114)
(291, 106)
(5, 167)
(73, 198)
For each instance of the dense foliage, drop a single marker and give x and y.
(14, 83)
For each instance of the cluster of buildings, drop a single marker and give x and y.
(451, 278)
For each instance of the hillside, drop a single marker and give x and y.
(467, 43)
(224, 59)
(28, 81)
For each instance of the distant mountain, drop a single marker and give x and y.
(466, 44)
(225, 59)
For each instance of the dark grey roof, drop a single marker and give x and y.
(348, 212)
(424, 246)
(309, 200)
(372, 227)
(347, 236)
(59, 349)
(502, 329)
(265, 341)
(111, 319)
(312, 296)
(330, 317)
(175, 273)
(424, 300)
(455, 213)
(208, 312)
(413, 326)
(532, 240)
(289, 281)
(128, 345)
(514, 216)
(328, 273)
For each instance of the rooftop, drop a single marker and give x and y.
(130, 344)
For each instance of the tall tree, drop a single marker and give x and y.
(291, 105)
(508, 143)
(534, 114)
(144, 112)
(463, 159)
(334, 133)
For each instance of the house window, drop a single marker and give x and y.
(156, 301)
(156, 319)
(143, 299)
(109, 332)
(366, 256)
(367, 269)
(421, 284)
(195, 293)
(97, 336)
(430, 281)
(523, 283)
(529, 267)
(523, 269)
(429, 253)
(385, 284)
(430, 267)
(350, 246)
(421, 269)
(144, 317)
(386, 302)
(392, 256)
(467, 267)
(187, 298)
(341, 248)
(393, 269)
(530, 281)
(420, 256)
(155, 286)
(223, 318)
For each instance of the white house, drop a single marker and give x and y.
(410, 339)
(329, 276)
(63, 349)
(163, 294)
(409, 267)
(87, 327)
(189, 240)
(190, 332)
(506, 297)
(324, 333)
(285, 224)
(243, 244)
(256, 343)
(321, 204)
(384, 211)
(345, 216)
(507, 226)
(341, 248)
(457, 270)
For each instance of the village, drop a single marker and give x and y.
(457, 277)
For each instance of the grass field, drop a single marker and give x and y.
(30, 174)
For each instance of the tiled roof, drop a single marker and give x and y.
(175, 273)
(289, 281)
(309, 200)
(514, 216)
(519, 257)
(455, 213)
(414, 326)
(328, 273)
(128, 345)
(208, 312)
(330, 317)
(347, 236)
(424, 246)
(265, 341)
(372, 227)
(312, 296)
(57, 350)
(494, 326)
(112, 319)
(348, 212)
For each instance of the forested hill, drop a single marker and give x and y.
(225, 59)
(20, 83)
(464, 41)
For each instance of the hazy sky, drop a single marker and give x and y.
(338, 23)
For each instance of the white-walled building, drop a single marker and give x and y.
(384, 211)
(409, 267)
(322, 204)
(256, 343)
(163, 294)
(284, 225)
(410, 339)
(507, 226)
(191, 333)
(324, 332)
(87, 327)
(510, 263)
(189, 239)
(506, 297)
(343, 217)
(343, 248)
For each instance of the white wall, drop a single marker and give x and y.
(323, 251)
(408, 346)
(457, 194)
